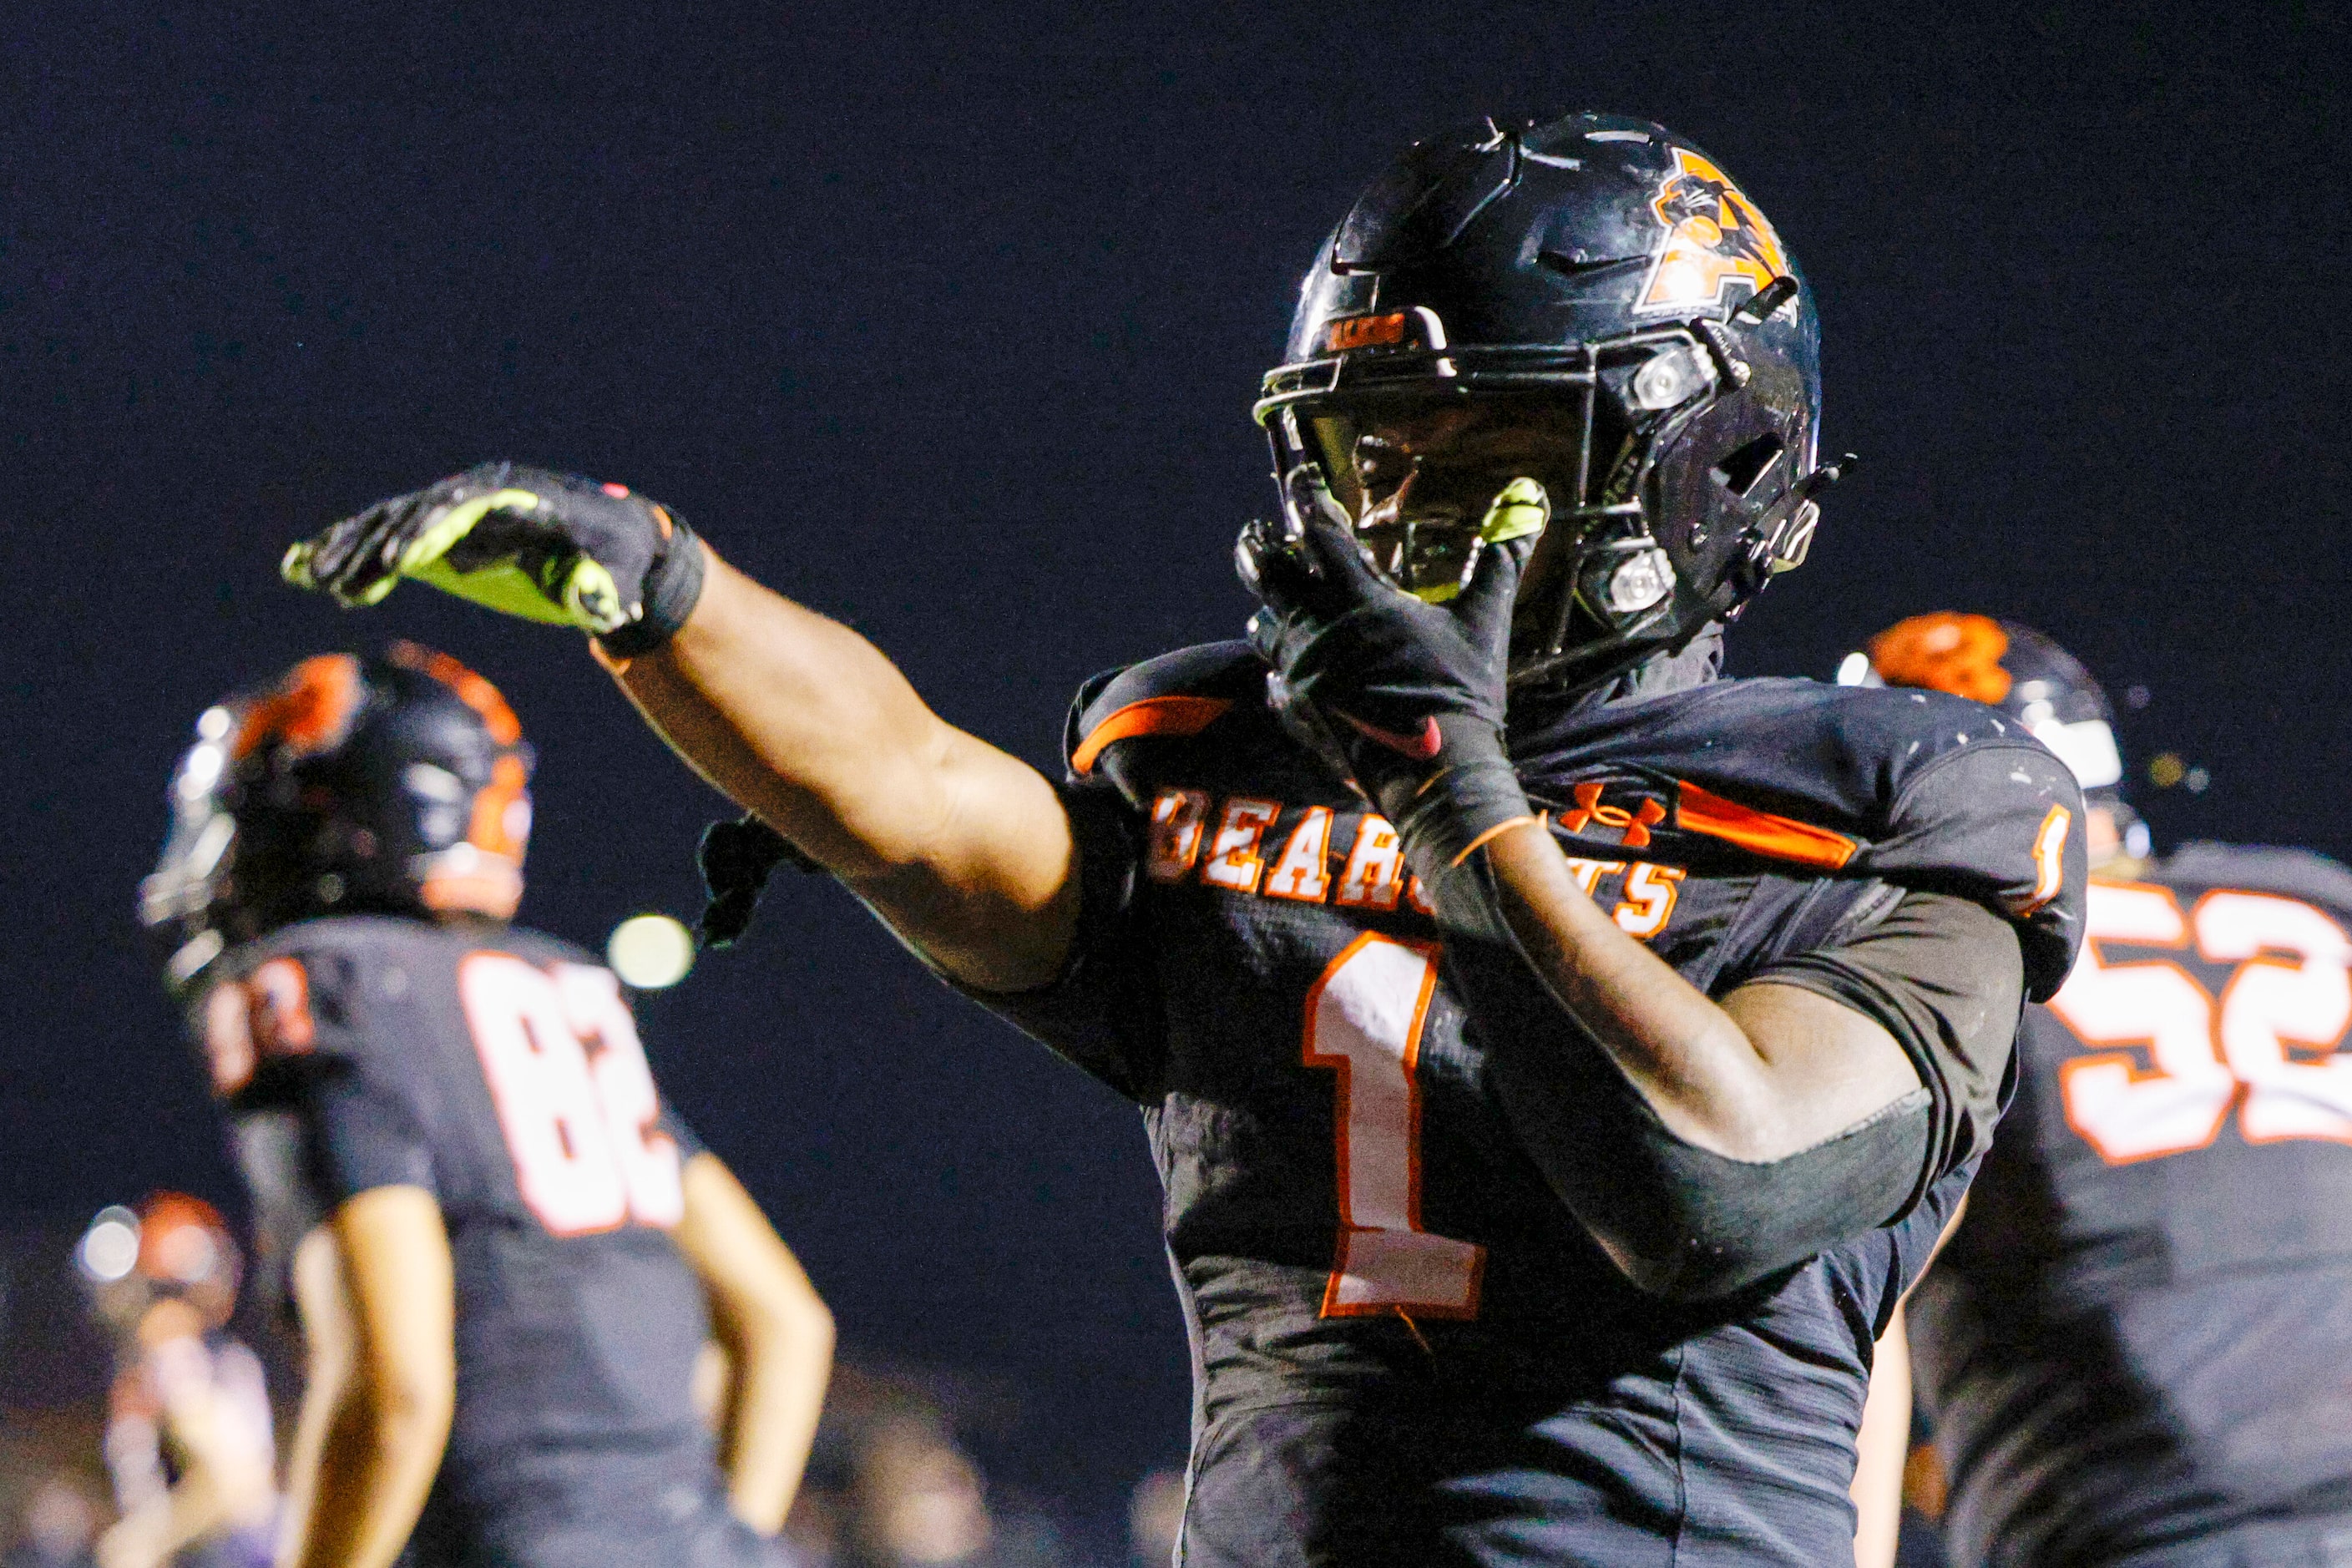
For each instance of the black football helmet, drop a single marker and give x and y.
(2024, 673)
(1604, 278)
(396, 784)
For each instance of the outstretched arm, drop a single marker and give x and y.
(963, 849)
(225, 1474)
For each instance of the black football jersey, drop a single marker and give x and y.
(2140, 1338)
(500, 1070)
(1406, 1349)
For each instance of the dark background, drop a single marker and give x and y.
(945, 319)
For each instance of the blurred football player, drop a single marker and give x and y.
(188, 1429)
(505, 1251)
(2137, 1348)
(1557, 1059)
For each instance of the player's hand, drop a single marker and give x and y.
(524, 541)
(1409, 695)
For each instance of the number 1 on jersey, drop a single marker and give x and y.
(1364, 1018)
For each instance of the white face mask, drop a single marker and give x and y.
(2087, 747)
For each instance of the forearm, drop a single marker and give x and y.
(963, 848)
(1704, 1147)
(1880, 1449)
(797, 718)
(779, 1371)
(197, 1509)
(375, 1464)
(1711, 1077)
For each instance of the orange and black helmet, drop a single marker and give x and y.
(2006, 666)
(1600, 279)
(396, 784)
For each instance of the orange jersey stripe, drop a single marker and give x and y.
(1781, 837)
(1152, 716)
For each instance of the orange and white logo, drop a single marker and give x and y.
(1715, 237)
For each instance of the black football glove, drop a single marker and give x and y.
(524, 541)
(1406, 695)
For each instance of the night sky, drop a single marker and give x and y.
(945, 320)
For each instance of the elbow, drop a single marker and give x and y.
(1686, 1224)
(407, 1414)
(1696, 1265)
(793, 1320)
(767, 1310)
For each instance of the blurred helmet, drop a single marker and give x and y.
(183, 1242)
(1592, 298)
(2006, 666)
(393, 784)
(171, 1245)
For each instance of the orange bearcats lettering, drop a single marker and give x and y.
(1300, 872)
(1233, 861)
(1177, 818)
(1649, 893)
(1418, 896)
(1588, 873)
(1374, 878)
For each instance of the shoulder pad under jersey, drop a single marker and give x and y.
(1918, 788)
(1176, 695)
(2259, 868)
(303, 992)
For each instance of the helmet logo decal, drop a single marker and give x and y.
(1715, 237)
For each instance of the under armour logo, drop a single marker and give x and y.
(1635, 824)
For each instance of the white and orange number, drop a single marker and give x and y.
(2265, 1045)
(1364, 1020)
(574, 1097)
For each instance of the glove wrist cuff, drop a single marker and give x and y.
(1442, 818)
(672, 587)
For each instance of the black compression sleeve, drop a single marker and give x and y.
(1945, 976)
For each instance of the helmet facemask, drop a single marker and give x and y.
(1417, 454)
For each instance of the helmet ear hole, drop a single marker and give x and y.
(1744, 467)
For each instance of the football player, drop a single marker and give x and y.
(2134, 1348)
(1557, 1059)
(505, 1253)
(188, 1429)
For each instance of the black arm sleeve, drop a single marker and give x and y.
(1940, 973)
(1946, 977)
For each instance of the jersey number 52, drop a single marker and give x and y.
(2266, 1044)
(574, 1097)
